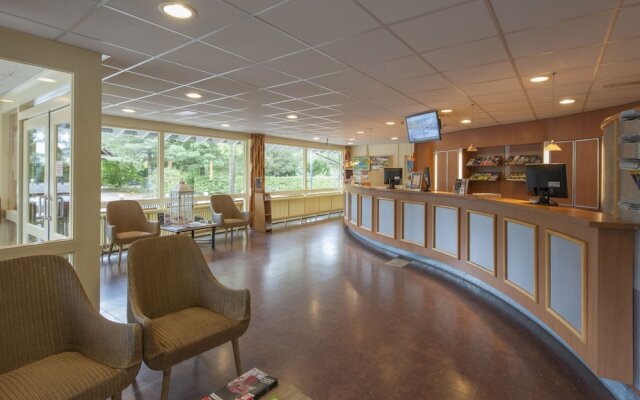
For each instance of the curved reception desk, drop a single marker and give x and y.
(571, 269)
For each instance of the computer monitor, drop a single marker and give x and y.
(392, 176)
(546, 181)
(427, 179)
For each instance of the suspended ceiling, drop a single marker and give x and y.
(344, 66)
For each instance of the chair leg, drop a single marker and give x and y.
(236, 355)
(166, 379)
(117, 396)
(110, 250)
(119, 254)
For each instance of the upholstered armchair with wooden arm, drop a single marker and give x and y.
(225, 213)
(55, 344)
(127, 223)
(182, 308)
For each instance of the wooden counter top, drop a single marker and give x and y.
(589, 218)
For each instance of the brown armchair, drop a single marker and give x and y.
(126, 223)
(225, 213)
(181, 306)
(55, 344)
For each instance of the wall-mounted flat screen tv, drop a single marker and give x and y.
(423, 127)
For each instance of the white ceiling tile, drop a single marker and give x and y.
(122, 91)
(108, 71)
(397, 100)
(496, 86)
(206, 108)
(396, 10)
(616, 93)
(307, 64)
(343, 80)
(211, 15)
(60, 14)
(140, 82)
(420, 84)
(565, 90)
(168, 101)
(322, 112)
(408, 109)
(478, 52)
(510, 105)
(455, 25)
(224, 85)
(368, 48)
(254, 6)
(622, 50)
(619, 69)
(517, 95)
(627, 23)
(262, 97)
(293, 105)
(230, 102)
(560, 60)
(118, 57)
(206, 58)
(122, 30)
(254, 40)
(143, 105)
(559, 36)
(374, 91)
(397, 69)
(260, 76)
(108, 99)
(317, 22)
(329, 99)
(446, 95)
(26, 26)
(516, 15)
(298, 89)
(170, 71)
(482, 73)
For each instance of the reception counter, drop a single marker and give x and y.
(571, 269)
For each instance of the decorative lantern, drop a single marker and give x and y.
(181, 203)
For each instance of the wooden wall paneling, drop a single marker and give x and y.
(441, 166)
(587, 173)
(565, 156)
(452, 169)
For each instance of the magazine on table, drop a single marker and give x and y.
(250, 385)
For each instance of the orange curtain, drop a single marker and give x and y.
(257, 165)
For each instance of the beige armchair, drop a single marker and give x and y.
(181, 306)
(55, 344)
(225, 213)
(126, 223)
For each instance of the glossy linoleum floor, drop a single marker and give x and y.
(329, 317)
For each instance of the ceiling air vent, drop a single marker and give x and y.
(620, 84)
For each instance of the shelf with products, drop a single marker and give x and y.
(484, 161)
(517, 177)
(484, 176)
(523, 159)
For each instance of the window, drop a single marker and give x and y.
(284, 167)
(324, 169)
(209, 165)
(129, 164)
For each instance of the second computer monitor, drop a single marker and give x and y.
(546, 181)
(392, 176)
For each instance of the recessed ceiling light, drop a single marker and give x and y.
(394, 138)
(292, 116)
(6, 101)
(352, 138)
(567, 101)
(47, 80)
(225, 125)
(193, 95)
(177, 10)
(128, 110)
(466, 121)
(390, 123)
(186, 113)
(539, 79)
(446, 111)
(316, 138)
(360, 132)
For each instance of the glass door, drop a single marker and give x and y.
(46, 177)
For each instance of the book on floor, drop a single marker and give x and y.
(250, 385)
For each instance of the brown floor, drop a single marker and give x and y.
(332, 319)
